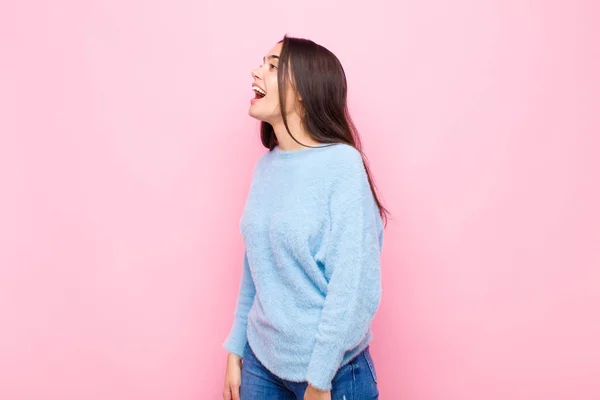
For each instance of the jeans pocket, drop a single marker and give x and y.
(371, 364)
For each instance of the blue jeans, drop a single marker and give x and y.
(356, 380)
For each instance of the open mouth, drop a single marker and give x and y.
(258, 92)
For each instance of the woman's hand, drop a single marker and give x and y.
(313, 393)
(233, 378)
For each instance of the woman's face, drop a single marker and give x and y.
(265, 105)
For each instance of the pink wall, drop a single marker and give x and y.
(126, 153)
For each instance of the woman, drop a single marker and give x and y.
(313, 232)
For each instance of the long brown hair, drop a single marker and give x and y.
(319, 79)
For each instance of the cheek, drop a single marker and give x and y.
(273, 91)
(272, 88)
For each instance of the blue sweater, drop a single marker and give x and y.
(311, 278)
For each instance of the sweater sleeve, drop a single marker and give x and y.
(237, 339)
(354, 287)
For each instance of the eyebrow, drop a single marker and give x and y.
(271, 56)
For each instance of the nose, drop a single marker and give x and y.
(254, 74)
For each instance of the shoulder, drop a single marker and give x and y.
(347, 159)
(259, 166)
(344, 159)
(346, 153)
(346, 170)
(262, 160)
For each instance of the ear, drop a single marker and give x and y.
(298, 97)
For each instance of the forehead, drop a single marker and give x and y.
(275, 51)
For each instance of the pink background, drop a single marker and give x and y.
(125, 158)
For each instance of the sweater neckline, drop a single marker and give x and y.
(296, 153)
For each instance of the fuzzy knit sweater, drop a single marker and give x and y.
(311, 277)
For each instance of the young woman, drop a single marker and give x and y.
(313, 232)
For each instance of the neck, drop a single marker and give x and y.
(286, 142)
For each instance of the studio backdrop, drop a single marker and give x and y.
(126, 153)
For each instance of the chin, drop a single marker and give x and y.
(252, 114)
(256, 116)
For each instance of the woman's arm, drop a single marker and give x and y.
(237, 339)
(353, 255)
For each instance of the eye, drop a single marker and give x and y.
(271, 66)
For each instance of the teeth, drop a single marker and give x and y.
(259, 90)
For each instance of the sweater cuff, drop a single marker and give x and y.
(236, 341)
(324, 363)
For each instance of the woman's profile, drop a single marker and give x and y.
(313, 232)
